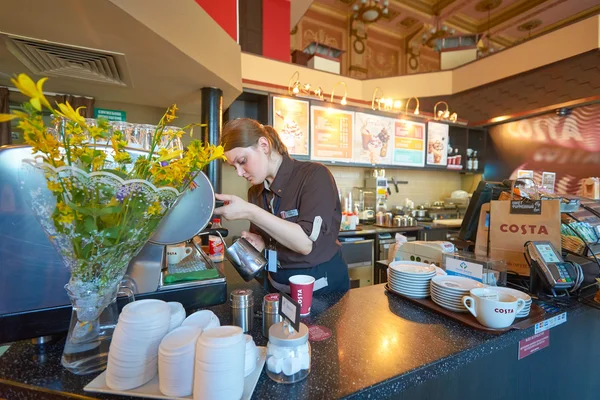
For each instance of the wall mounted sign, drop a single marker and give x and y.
(566, 145)
(331, 134)
(373, 143)
(525, 173)
(290, 120)
(111, 115)
(437, 143)
(408, 143)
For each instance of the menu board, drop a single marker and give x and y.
(331, 131)
(437, 143)
(408, 143)
(290, 120)
(372, 139)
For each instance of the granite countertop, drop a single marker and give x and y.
(381, 344)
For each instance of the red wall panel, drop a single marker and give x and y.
(276, 29)
(224, 12)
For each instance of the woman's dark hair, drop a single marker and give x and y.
(245, 132)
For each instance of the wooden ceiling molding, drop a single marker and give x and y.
(471, 16)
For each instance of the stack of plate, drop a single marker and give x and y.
(411, 278)
(448, 291)
(519, 295)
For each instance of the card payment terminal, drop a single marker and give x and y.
(547, 263)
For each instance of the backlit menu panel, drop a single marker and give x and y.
(331, 131)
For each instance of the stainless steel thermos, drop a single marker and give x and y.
(242, 308)
(270, 310)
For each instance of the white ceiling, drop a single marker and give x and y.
(170, 52)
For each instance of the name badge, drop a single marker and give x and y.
(289, 214)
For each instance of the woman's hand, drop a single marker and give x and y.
(235, 208)
(255, 240)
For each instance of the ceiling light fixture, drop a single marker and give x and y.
(370, 10)
(432, 37)
(343, 101)
(383, 103)
(416, 112)
(295, 87)
(443, 115)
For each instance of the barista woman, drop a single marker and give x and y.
(293, 207)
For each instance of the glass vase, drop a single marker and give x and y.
(93, 320)
(97, 222)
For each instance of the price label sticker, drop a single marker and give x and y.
(290, 310)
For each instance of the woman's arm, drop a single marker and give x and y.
(286, 233)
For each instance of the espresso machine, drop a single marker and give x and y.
(379, 185)
(33, 301)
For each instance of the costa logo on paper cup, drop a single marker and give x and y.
(301, 290)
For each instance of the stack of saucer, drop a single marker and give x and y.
(411, 278)
(133, 353)
(519, 295)
(448, 291)
(220, 364)
(176, 356)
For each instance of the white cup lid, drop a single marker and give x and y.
(280, 336)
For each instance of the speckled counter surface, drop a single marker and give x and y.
(381, 345)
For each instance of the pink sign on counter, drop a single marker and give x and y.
(533, 344)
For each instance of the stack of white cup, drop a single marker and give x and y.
(132, 358)
(176, 356)
(177, 315)
(251, 355)
(203, 319)
(220, 364)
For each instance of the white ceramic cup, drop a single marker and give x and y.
(176, 253)
(494, 314)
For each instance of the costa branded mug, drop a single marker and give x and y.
(176, 253)
(492, 313)
(301, 290)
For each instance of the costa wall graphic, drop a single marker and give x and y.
(567, 145)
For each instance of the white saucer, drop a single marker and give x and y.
(456, 283)
(413, 268)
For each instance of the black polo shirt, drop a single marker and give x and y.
(308, 188)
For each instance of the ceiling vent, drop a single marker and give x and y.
(55, 59)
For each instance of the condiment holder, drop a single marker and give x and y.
(288, 353)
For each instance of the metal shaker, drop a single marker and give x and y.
(242, 308)
(270, 313)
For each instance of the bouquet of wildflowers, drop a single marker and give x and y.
(98, 201)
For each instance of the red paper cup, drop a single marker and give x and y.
(301, 288)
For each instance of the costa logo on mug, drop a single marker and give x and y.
(176, 253)
(493, 309)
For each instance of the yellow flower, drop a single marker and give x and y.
(63, 208)
(65, 219)
(7, 117)
(166, 155)
(55, 187)
(32, 90)
(68, 112)
(66, 215)
(155, 208)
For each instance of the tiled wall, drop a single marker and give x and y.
(422, 187)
